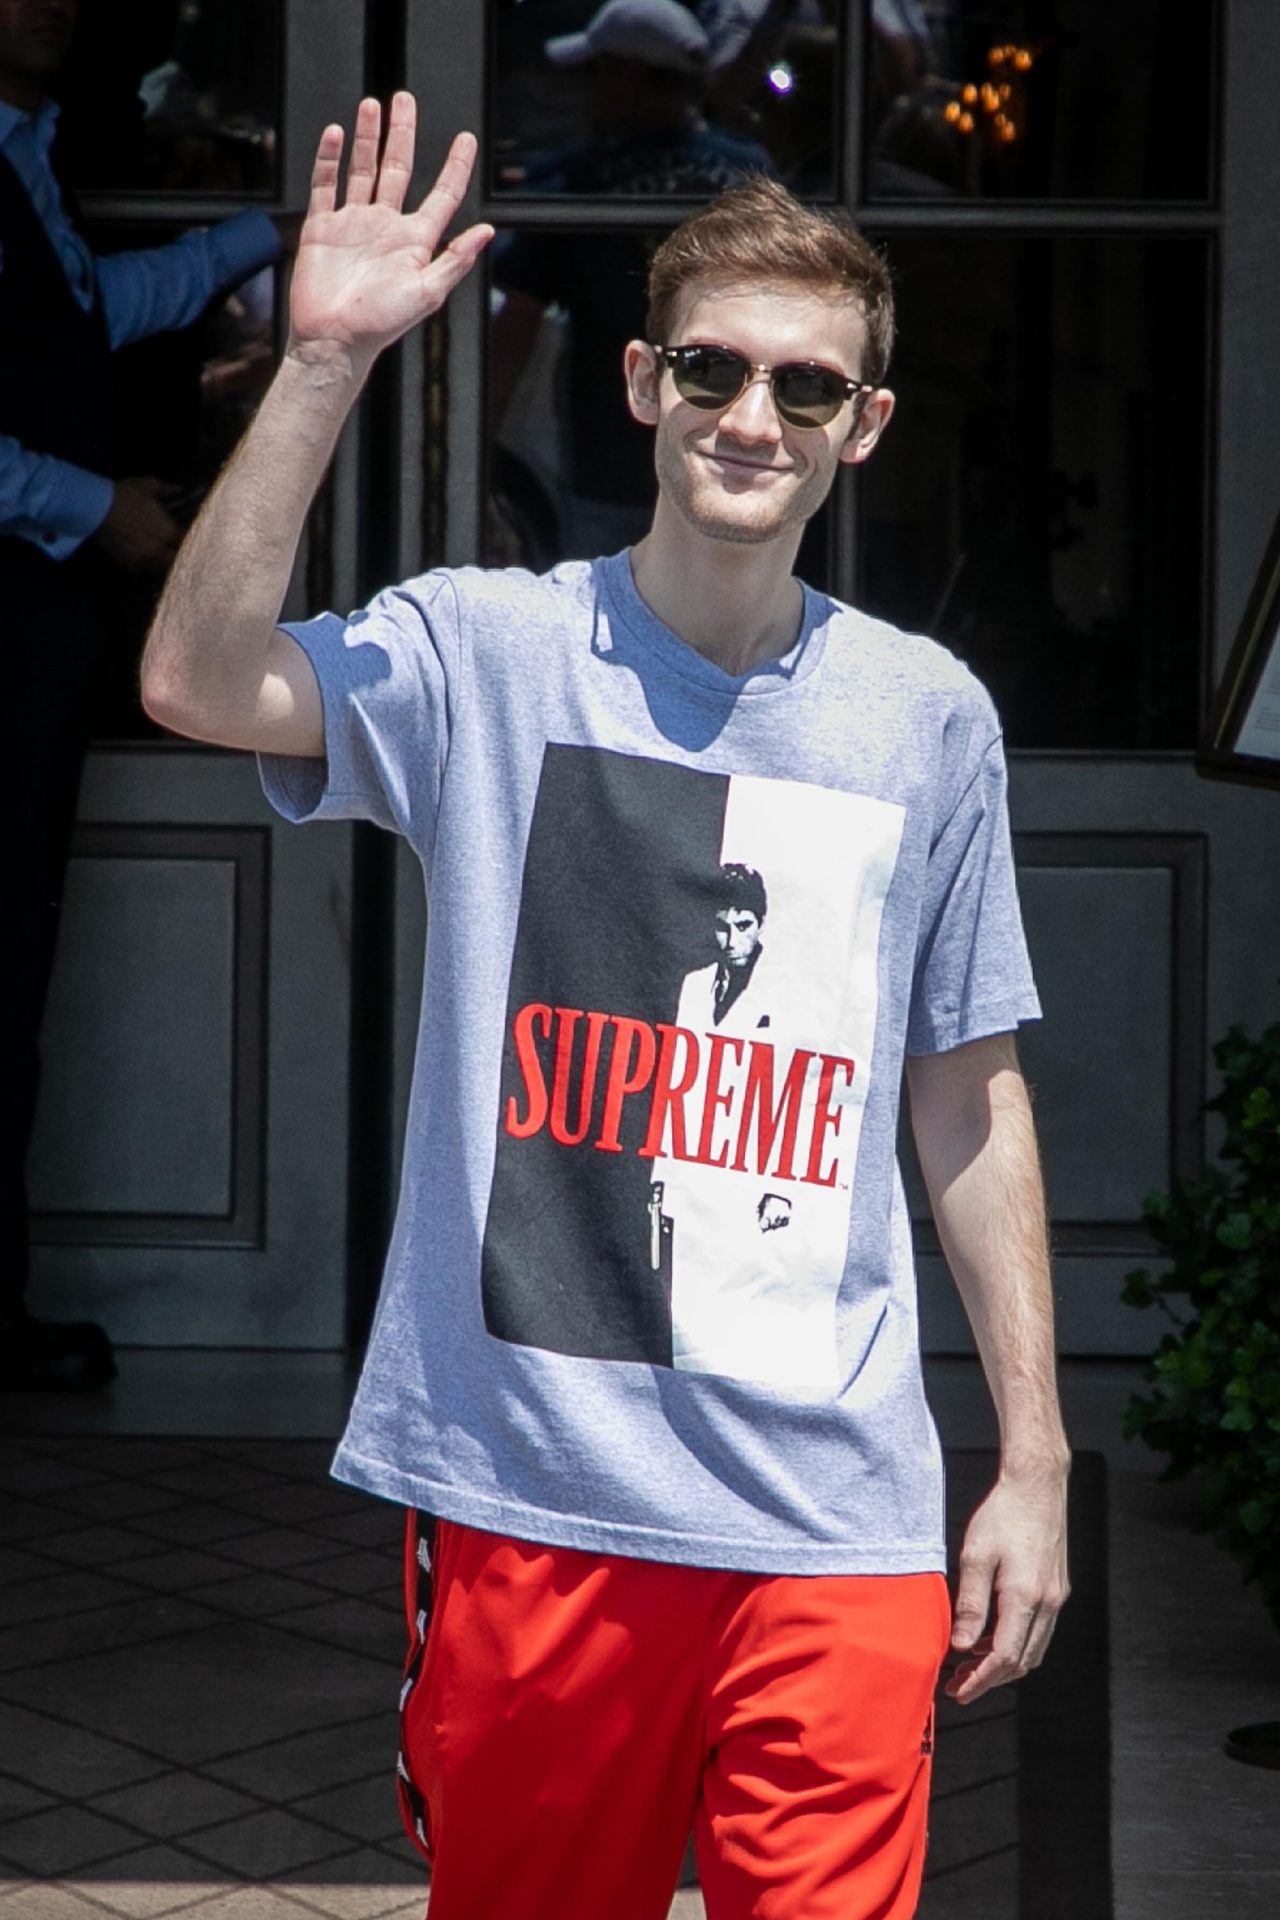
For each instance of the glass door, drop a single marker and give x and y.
(1067, 495)
(190, 1170)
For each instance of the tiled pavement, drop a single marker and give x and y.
(200, 1648)
(1195, 1836)
(199, 1652)
(199, 1659)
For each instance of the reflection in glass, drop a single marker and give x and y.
(1038, 502)
(1042, 99)
(570, 473)
(174, 96)
(181, 402)
(660, 99)
(569, 458)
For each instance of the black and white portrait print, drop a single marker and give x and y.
(690, 1030)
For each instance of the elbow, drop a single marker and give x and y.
(162, 702)
(158, 699)
(151, 693)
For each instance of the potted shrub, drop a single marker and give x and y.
(1213, 1398)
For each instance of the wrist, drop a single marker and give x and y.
(79, 501)
(1044, 1461)
(327, 364)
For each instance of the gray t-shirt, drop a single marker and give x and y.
(650, 1289)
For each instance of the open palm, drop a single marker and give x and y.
(367, 271)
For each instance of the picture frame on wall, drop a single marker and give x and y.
(1241, 739)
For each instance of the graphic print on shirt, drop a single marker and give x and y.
(689, 1032)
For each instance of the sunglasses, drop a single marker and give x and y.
(805, 395)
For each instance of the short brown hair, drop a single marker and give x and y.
(758, 232)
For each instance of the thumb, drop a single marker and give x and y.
(973, 1600)
(454, 262)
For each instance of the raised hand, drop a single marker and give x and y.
(367, 271)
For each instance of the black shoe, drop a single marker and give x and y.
(53, 1356)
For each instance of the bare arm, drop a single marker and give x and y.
(971, 1115)
(216, 665)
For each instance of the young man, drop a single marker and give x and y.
(647, 1591)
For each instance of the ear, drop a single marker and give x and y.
(642, 374)
(873, 418)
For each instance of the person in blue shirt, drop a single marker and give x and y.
(66, 518)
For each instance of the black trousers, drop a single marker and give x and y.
(50, 620)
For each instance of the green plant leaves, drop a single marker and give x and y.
(1213, 1399)
(1139, 1289)
(1236, 1231)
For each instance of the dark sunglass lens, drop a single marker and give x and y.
(708, 377)
(808, 396)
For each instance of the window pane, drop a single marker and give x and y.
(1038, 502)
(174, 95)
(569, 461)
(666, 101)
(570, 473)
(1040, 99)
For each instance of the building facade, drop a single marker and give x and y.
(1076, 200)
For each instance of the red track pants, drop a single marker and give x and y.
(568, 1717)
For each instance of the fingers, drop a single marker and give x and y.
(456, 262)
(362, 173)
(973, 1600)
(1002, 1655)
(324, 174)
(957, 1682)
(1021, 1639)
(449, 191)
(397, 154)
(1041, 1634)
(385, 181)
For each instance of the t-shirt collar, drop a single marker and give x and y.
(767, 676)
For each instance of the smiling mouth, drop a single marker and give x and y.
(743, 466)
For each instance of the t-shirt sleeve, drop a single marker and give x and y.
(972, 974)
(388, 678)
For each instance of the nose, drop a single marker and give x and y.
(753, 416)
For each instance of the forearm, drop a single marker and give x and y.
(207, 650)
(983, 1173)
(216, 665)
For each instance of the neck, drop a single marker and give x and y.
(737, 605)
(20, 90)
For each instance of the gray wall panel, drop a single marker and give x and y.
(140, 1026)
(1090, 1316)
(283, 1284)
(1221, 951)
(1100, 942)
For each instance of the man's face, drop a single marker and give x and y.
(35, 36)
(737, 935)
(743, 474)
